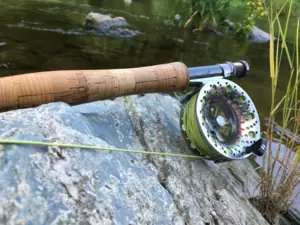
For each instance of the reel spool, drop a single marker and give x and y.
(221, 122)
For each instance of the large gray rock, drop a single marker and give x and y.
(256, 34)
(111, 26)
(46, 185)
(292, 217)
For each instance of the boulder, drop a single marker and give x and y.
(51, 185)
(111, 26)
(103, 22)
(256, 35)
(291, 217)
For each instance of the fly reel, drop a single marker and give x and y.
(220, 121)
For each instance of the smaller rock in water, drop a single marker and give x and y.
(109, 26)
(127, 2)
(214, 31)
(178, 40)
(7, 65)
(30, 22)
(201, 42)
(2, 43)
(177, 17)
(103, 22)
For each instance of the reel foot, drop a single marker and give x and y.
(258, 147)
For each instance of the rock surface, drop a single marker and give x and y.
(292, 217)
(46, 185)
(111, 26)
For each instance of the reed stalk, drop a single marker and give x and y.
(280, 171)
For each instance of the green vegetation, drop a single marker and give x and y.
(280, 172)
(254, 10)
(213, 13)
(277, 5)
(208, 13)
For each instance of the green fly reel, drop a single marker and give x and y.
(221, 122)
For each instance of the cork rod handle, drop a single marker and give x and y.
(81, 86)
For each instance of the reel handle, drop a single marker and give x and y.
(81, 86)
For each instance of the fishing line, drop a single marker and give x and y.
(63, 145)
(192, 129)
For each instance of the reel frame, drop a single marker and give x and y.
(246, 144)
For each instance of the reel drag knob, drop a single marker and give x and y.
(221, 122)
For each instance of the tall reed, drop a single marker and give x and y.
(280, 171)
(207, 13)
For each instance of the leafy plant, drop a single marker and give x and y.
(207, 12)
(277, 6)
(280, 172)
(254, 9)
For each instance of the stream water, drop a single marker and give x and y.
(39, 35)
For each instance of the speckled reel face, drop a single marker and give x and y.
(226, 118)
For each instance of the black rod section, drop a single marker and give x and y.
(225, 70)
(205, 71)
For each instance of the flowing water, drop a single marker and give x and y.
(39, 35)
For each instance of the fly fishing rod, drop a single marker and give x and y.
(218, 118)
